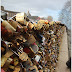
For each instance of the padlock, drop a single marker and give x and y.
(5, 57)
(3, 50)
(58, 22)
(8, 53)
(30, 52)
(31, 69)
(46, 21)
(22, 55)
(31, 39)
(30, 25)
(17, 69)
(35, 68)
(12, 67)
(41, 70)
(25, 28)
(7, 63)
(27, 63)
(52, 22)
(4, 45)
(3, 60)
(16, 25)
(39, 26)
(37, 58)
(6, 34)
(8, 26)
(16, 61)
(20, 39)
(21, 17)
(35, 48)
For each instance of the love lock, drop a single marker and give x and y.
(22, 55)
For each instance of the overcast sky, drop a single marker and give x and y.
(42, 8)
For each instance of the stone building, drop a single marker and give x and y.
(9, 13)
(32, 17)
(4, 15)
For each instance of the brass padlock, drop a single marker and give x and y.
(7, 63)
(17, 69)
(5, 57)
(22, 55)
(3, 60)
(16, 61)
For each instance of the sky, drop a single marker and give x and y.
(41, 8)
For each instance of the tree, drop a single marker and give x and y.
(65, 15)
(50, 18)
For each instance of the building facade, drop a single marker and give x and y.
(9, 13)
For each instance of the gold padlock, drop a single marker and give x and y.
(7, 63)
(23, 56)
(3, 60)
(16, 61)
(17, 69)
